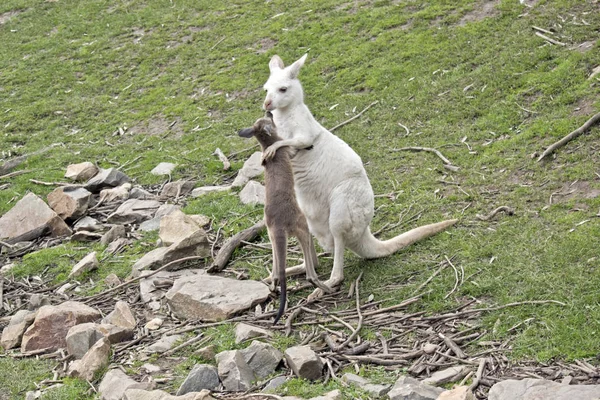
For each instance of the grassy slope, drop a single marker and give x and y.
(73, 72)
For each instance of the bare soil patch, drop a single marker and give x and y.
(265, 45)
(585, 46)
(7, 16)
(577, 190)
(481, 10)
(584, 107)
(158, 126)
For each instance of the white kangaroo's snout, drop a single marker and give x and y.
(268, 104)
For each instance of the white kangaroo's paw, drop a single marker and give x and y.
(331, 284)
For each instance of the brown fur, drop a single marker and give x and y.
(282, 213)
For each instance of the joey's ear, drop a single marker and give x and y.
(246, 132)
(295, 67)
(268, 129)
(275, 63)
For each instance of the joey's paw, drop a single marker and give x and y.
(316, 294)
(269, 153)
(320, 285)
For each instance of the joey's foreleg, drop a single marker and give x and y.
(300, 142)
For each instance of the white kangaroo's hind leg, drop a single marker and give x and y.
(337, 273)
(310, 259)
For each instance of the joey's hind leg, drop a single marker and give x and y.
(274, 278)
(310, 258)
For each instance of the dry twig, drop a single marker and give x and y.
(506, 209)
(353, 118)
(570, 136)
(429, 150)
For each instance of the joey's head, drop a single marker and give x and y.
(283, 87)
(263, 130)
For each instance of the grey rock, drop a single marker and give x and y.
(154, 324)
(134, 211)
(214, 298)
(304, 362)
(116, 382)
(176, 226)
(138, 394)
(88, 224)
(535, 389)
(245, 332)
(251, 169)
(94, 360)
(120, 192)
(117, 246)
(38, 300)
(81, 338)
(106, 178)
(202, 376)
(163, 168)
(150, 225)
(253, 193)
(201, 191)
(81, 172)
(206, 353)
(234, 372)
(115, 334)
(69, 202)
(85, 236)
(154, 223)
(150, 292)
(177, 189)
(164, 344)
(375, 390)
(88, 263)
(13, 333)
(333, 395)
(407, 388)
(151, 368)
(112, 280)
(141, 194)
(121, 316)
(275, 383)
(262, 358)
(29, 219)
(114, 233)
(457, 393)
(6, 268)
(451, 374)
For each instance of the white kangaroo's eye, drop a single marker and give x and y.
(283, 89)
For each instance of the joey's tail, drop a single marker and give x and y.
(370, 247)
(280, 253)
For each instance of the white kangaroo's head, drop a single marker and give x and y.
(283, 87)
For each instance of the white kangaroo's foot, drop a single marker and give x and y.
(332, 284)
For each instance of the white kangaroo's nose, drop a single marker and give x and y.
(267, 105)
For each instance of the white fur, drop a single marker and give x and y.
(331, 183)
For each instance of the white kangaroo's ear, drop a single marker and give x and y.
(295, 67)
(275, 63)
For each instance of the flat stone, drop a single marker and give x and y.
(536, 389)
(154, 223)
(202, 376)
(29, 219)
(49, 330)
(251, 169)
(304, 362)
(333, 395)
(13, 333)
(69, 202)
(154, 324)
(134, 211)
(138, 394)
(38, 300)
(151, 368)
(234, 372)
(262, 358)
(253, 193)
(81, 172)
(120, 192)
(458, 393)
(114, 233)
(176, 226)
(165, 343)
(111, 177)
(141, 194)
(201, 191)
(87, 264)
(115, 334)
(116, 382)
(177, 189)
(206, 353)
(6, 268)
(88, 224)
(112, 280)
(407, 388)
(275, 383)
(121, 316)
(85, 236)
(447, 375)
(80, 338)
(214, 298)
(245, 332)
(117, 246)
(149, 291)
(163, 168)
(94, 360)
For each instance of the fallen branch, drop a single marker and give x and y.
(478, 375)
(570, 136)
(353, 118)
(506, 209)
(15, 162)
(429, 150)
(223, 159)
(549, 39)
(233, 243)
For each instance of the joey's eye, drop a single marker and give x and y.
(283, 89)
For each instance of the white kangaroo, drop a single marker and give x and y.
(331, 184)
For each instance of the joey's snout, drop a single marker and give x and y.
(246, 132)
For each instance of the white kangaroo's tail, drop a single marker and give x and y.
(371, 247)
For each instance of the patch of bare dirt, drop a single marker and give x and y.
(585, 46)
(481, 10)
(584, 107)
(265, 45)
(7, 16)
(577, 190)
(158, 126)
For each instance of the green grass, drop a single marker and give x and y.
(74, 72)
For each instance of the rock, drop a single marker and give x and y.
(81, 172)
(120, 192)
(164, 168)
(88, 224)
(154, 223)
(51, 324)
(202, 376)
(164, 344)
(245, 332)
(430, 348)
(114, 233)
(151, 368)
(176, 226)
(177, 189)
(451, 374)
(200, 219)
(116, 382)
(138, 394)
(374, 390)
(333, 395)
(6, 268)
(134, 211)
(407, 388)
(534, 389)
(81, 338)
(115, 334)
(117, 246)
(154, 324)
(106, 178)
(112, 280)
(13, 333)
(121, 316)
(213, 298)
(262, 358)
(88, 263)
(304, 362)
(458, 393)
(252, 168)
(201, 191)
(253, 193)
(93, 361)
(69, 202)
(206, 353)
(196, 244)
(141, 194)
(29, 219)
(38, 300)
(149, 291)
(85, 236)
(234, 372)
(275, 383)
